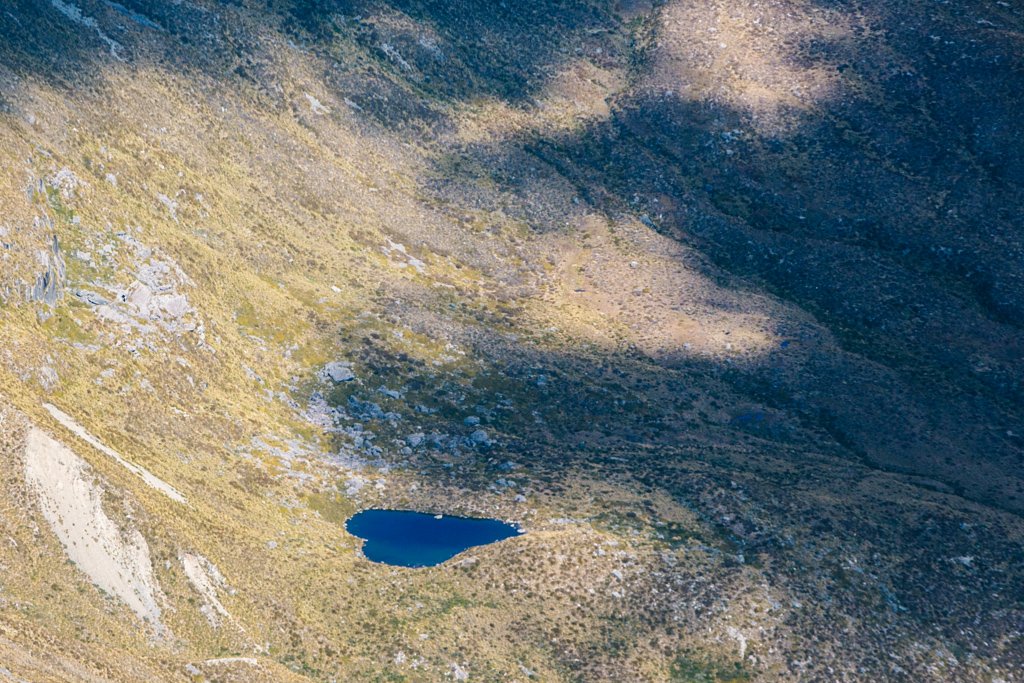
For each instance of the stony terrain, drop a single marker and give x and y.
(720, 300)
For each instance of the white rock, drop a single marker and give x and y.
(115, 559)
(138, 296)
(205, 579)
(147, 476)
(174, 305)
(316, 106)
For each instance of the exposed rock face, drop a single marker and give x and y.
(49, 284)
(114, 558)
(338, 371)
(147, 476)
(207, 580)
(153, 304)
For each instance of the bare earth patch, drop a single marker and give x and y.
(115, 559)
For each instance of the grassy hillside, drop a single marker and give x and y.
(721, 301)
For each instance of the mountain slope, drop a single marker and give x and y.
(720, 301)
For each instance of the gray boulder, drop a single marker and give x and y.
(338, 371)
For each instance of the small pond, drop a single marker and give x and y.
(415, 539)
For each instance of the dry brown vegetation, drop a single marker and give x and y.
(733, 288)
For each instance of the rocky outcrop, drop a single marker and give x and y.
(48, 287)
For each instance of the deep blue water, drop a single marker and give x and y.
(416, 539)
